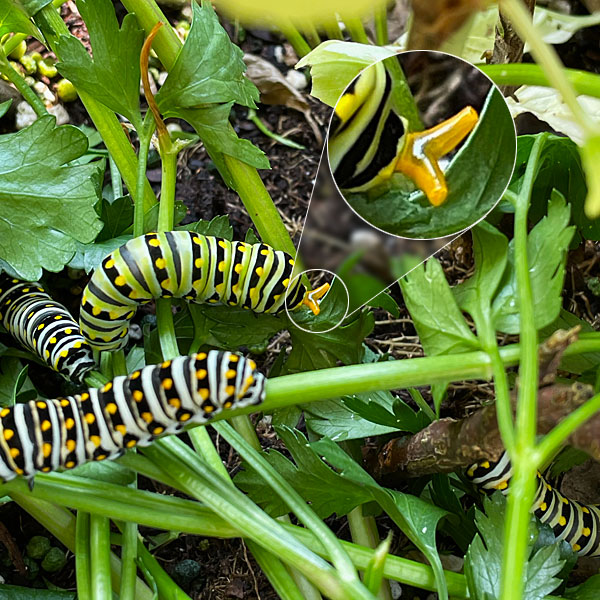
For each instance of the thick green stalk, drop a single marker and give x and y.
(402, 97)
(531, 74)
(381, 28)
(280, 578)
(106, 122)
(293, 500)
(19, 82)
(139, 206)
(294, 37)
(356, 30)
(82, 556)
(522, 485)
(247, 182)
(100, 558)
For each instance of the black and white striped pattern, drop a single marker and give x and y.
(183, 264)
(44, 327)
(578, 524)
(45, 435)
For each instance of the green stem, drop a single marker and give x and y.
(356, 30)
(105, 121)
(293, 500)
(129, 555)
(204, 446)
(166, 329)
(13, 42)
(530, 74)
(522, 486)
(402, 98)
(139, 208)
(115, 178)
(19, 82)
(295, 38)
(100, 557)
(166, 209)
(244, 427)
(311, 34)
(381, 28)
(252, 116)
(553, 440)
(95, 379)
(332, 29)
(82, 556)
(119, 365)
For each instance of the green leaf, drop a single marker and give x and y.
(438, 320)
(219, 227)
(14, 592)
(47, 206)
(312, 351)
(586, 591)
(476, 177)
(4, 106)
(209, 68)
(89, 256)
(13, 381)
(547, 246)
(483, 564)
(14, 19)
(107, 471)
(117, 216)
(112, 77)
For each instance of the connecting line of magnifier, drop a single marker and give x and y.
(421, 151)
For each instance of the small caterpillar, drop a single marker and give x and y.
(369, 142)
(198, 268)
(44, 435)
(578, 524)
(45, 327)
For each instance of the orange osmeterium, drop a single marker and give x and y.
(312, 299)
(423, 149)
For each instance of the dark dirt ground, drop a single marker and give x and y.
(226, 568)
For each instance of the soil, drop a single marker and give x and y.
(226, 570)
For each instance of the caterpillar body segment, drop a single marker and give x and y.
(99, 424)
(370, 141)
(44, 327)
(188, 265)
(576, 523)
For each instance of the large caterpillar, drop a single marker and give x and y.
(44, 327)
(44, 435)
(188, 265)
(369, 142)
(578, 524)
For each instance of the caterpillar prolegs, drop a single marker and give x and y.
(45, 327)
(578, 524)
(44, 435)
(198, 268)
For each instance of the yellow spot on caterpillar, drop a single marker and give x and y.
(40, 327)
(85, 396)
(84, 300)
(135, 374)
(147, 416)
(121, 429)
(259, 271)
(45, 425)
(157, 430)
(70, 464)
(113, 314)
(201, 356)
(586, 531)
(96, 310)
(53, 340)
(265, 252)
(109, 263)
(230, 390)
(167, 383)
(14, 452)
(58, 318)
(160, 263)
(64, 353)
(252, 364)
(238, 268)
(107, 387)
(68, 331)
(543, 506)
(100, 457)
(77, 345)
(562, 521)
(154, 242)
(228, 404)
(166, 364)
(285, 282)
(40, 404)
(210, 408)
(47, 353)
(185, 416)
(204, 393)
(292, 262)
(19, 471)
(133, 294)
(120, 280)
(64, 402)
(199, 263)
(196, 240)
(131, 443)
(576, 547)
(47, 450)
(233, 358)
(70, 423)
(5, 411)
(138, 395)
(96, 440)
(223, 244)
(46, 469)
(71, 445)
(175, 402)
(25, 290)
(230, 374)
(564, 500)
(222, 266)
(585, 509)
(90, 418)
(200, 373)
(166, 283)
(111, 408)
(548, 486)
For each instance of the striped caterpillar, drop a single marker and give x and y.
(578, 524)
(369, 142)
(198, 268)
(44, 327)
(44, 435)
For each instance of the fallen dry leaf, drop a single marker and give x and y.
(274, 89)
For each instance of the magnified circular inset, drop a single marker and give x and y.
(323, 292)
(422, 145)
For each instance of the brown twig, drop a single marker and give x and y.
(7, 540)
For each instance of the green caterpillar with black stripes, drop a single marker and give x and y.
(195, 267)
(576, 523)
(99, 424)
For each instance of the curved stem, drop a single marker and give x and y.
(82, 556)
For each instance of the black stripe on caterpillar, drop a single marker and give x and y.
(198, 268)
(45, 435)
(44, 327)
(576, 523)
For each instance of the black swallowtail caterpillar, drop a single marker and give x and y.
(369, 142)
(44, 435)
(578, 524)
(198, 268)
(45, 327)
